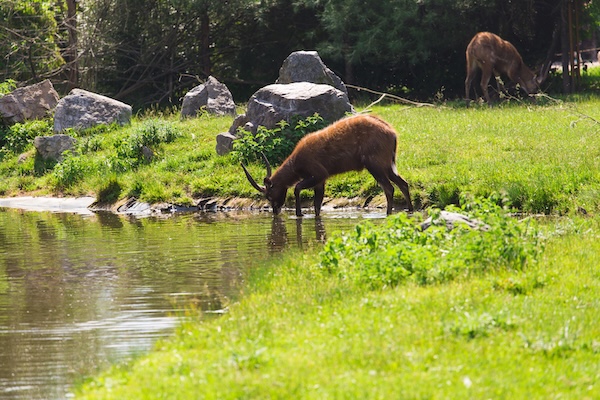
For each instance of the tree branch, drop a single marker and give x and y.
(391, 96)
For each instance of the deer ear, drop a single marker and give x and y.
(268, 183)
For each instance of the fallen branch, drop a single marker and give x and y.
(572, 109)
(391, 96)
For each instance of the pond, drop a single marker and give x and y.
(81, 291)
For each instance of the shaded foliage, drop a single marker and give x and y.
(27, 40)
(152, 52)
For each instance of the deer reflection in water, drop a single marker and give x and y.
(279, 238)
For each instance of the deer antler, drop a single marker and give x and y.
(256, 186)
(267, 164)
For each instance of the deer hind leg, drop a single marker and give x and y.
(319, 194)
(381, 178)
(471, 73)
(402, 185)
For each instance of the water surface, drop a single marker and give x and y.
(78, 292)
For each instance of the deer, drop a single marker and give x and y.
(494, 55)
(350, 144)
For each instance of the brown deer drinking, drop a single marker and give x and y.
(493, 55)
(351, 144)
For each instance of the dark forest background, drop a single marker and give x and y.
(151, 52)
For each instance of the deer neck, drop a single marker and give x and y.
(285, 175)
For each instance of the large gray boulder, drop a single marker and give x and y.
(52, 147)
(82, 109)
(281, 102)
(213, 95)
(27, 103)
(277, 102)
(307, 66)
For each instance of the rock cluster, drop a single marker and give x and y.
(80, 109)
(305, 86)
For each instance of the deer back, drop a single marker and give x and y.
(491, 51)
(343, 146)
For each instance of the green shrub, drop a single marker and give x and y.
(444, 195)
(90, 144)
(148, 191)
(399, 250)
(16, 138)
(278, 143)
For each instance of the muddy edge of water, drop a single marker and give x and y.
(88, 204)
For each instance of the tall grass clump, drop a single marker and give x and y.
(69, 171)
(130, 150)
(401, 250)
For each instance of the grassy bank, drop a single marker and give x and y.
(500, 327)
(538, 158)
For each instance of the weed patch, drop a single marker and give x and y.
(476, 325)
(16, 138)
(400, 250)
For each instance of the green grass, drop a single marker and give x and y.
(542, 159)
(302, 332)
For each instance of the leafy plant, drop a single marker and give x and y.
(68, 172)
(7, 86)
(474, 325)
(278, 143)
(90, 144)
(391, 253)
(17, 137)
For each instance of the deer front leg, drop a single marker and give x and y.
(319, 194)
(303, 184)
(486, 75)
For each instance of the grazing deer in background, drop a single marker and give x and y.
(495, 56)
(351, 144)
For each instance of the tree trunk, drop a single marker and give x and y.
(205, 43)
(70, 54)
(565, 48)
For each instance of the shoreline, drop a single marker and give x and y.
(86, 205)
(78, 205)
